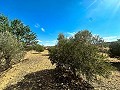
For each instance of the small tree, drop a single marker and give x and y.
(11, 51)
(79, 56)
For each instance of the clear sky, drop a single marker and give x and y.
(48, 18)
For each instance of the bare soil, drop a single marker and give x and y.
(33, 62)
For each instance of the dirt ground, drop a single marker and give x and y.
(112, 83)
(35, 62)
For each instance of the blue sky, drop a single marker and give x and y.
(48, 18)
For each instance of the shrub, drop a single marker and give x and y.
(38, 48)
(79, 56)
(11, 51)
(28, 48)
(114, 49)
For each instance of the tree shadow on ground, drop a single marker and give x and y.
(42, 80)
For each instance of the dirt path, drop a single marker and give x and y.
(35, 62)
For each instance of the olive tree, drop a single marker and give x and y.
(79, 56)
(11, 51)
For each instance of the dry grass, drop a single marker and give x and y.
(112, 83)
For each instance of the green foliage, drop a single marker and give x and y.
(106, 44)
(114, 49)
(28, 48)
(19, 30)
(4, 23)
(38, 48)
(11, 51)
(79, 55)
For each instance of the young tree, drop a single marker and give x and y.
(79, 56)
(11, 51)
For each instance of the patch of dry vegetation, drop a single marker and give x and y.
(112, 83)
